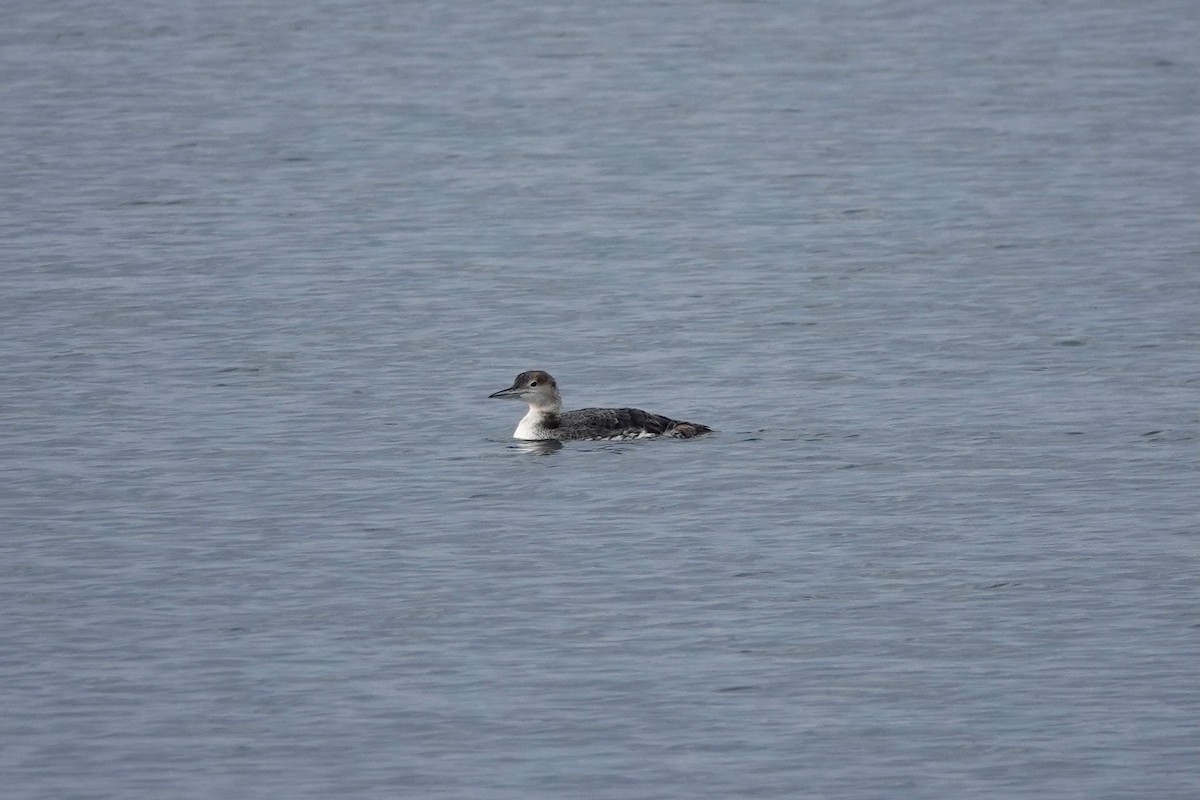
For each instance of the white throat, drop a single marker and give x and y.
(531, 426)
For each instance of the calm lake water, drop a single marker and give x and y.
(932, 271)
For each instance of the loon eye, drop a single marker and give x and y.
(532, 383)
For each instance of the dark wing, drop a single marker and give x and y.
(657, 423)
(623, 421)
(638, 420)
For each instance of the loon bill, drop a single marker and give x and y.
(547, 421)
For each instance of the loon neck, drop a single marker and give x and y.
(544, 412)
(546, 405)
(538, 422)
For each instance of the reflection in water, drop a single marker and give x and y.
(542, 447)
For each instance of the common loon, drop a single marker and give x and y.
(547, 421)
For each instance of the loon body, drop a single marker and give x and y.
(547, 421)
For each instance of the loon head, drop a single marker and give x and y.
(535, 387)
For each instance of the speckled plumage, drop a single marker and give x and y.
(547, 421)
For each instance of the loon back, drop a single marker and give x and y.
(547, 421)
(619, 423)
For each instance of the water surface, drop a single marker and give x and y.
(930, 272)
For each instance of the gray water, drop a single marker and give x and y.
(931, 270)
